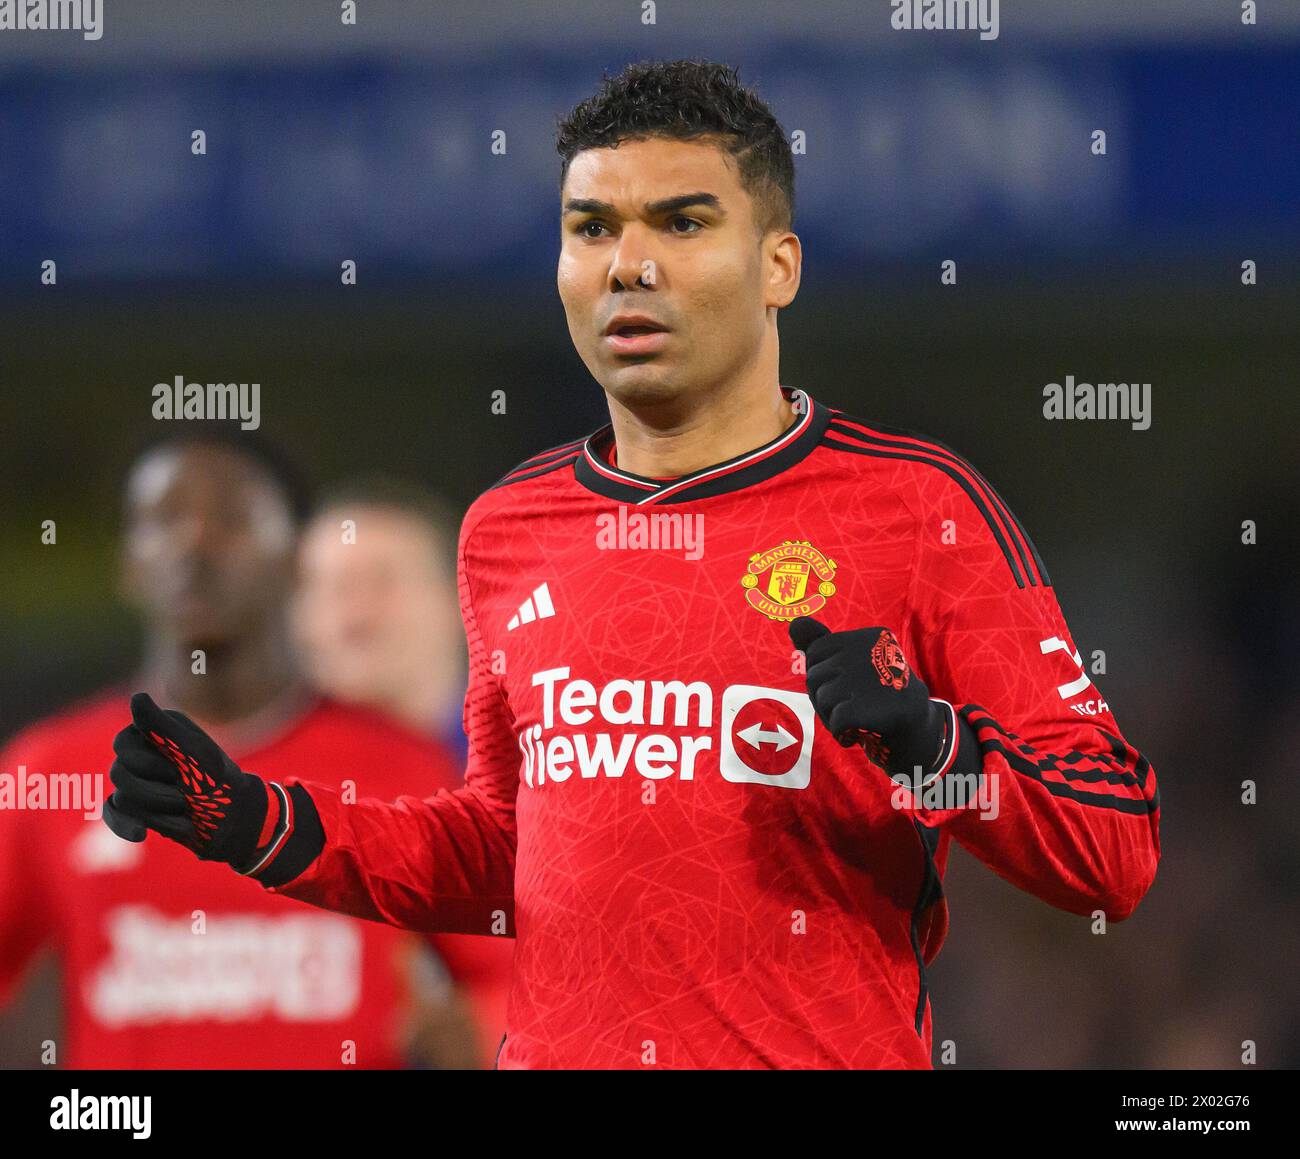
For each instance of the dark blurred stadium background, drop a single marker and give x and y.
(373, 143)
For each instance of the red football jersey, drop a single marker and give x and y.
(699, 875)
(266, 983)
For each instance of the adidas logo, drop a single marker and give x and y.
(536, 607)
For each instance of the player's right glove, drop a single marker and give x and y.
(866, 694)
(171, 777)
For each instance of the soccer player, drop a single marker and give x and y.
(375, 612)
(742, 667)
(163, 963)
(377, 623)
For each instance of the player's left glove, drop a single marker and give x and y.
(171, 777)
(866, 693)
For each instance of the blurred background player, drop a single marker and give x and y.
(156, 954)
(378, 623)
(376, 614)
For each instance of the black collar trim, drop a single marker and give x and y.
(593, 471)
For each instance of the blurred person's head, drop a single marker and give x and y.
(677, 201)
(211, 518)
(377, 615)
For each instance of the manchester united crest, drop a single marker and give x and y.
(789, 581)
(889, 661)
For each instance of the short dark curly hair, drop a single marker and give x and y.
(685, 100)
(264, 453)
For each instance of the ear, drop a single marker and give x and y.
(783, 258)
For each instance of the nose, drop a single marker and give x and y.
(197, 542)
(194, 531)
(632, 265)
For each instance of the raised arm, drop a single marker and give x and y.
(441, 864)
(984, 715)
(1067, 810)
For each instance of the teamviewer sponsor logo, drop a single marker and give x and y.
(658, 728)
(294, 967)
(767, 737)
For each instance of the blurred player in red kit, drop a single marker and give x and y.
(377, 623)
(375, 613)
(742, 668)
(165, 964)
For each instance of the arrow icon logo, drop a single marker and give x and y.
(755, 735)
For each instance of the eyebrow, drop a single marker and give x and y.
(654, 208)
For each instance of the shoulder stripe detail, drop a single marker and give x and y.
(519, 474)
(890, 436)
(964, 483)
(943, 449)
(544, 457)
(1006, 528)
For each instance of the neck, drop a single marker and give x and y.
(701, 428)
(249, 684)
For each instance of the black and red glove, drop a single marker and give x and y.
(866, 694)
(171, 777)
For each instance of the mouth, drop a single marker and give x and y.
(636, 336)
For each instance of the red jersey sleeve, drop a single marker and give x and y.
(1066, 809)
(440, 864)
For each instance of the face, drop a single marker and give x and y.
(209, 543)
(371, 612)
(665, 230)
